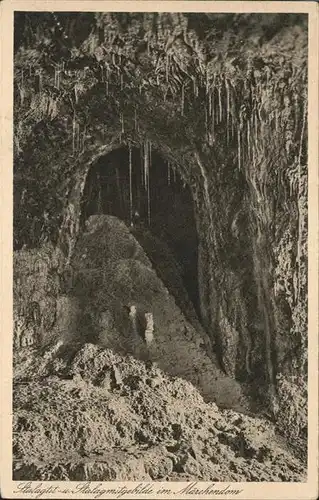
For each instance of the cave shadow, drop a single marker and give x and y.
(158, 208)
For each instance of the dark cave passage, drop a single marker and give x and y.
(158, 208)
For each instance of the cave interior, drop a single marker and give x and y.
(160, 203)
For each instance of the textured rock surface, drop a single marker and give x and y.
(35, 292)
(70, 425)
(111, 274)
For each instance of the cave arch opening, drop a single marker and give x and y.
(158, 207)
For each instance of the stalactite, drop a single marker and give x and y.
(182, 102)
(135, 119)
(256, 127)
(213, 113)
(174, 174)
(248, 139)
(148, 188)
(145, 163)
(296, 109)
(121, 81)
(99, 198)
(122, 123)
(232, 103)
(83, 139)
(40, 81)
(168, 173)
(227, 110)
(131, 187)
(239, 149)
(73, 134)
(142, 165)
(206, 122)
(167, 67)
(220, 103)
(209, 103)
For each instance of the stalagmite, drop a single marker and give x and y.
(121, 81)
(232, 104)
(76, 94)
(130, 177)
(133, 319)
(167, 67)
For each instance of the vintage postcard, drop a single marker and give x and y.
(159, 249)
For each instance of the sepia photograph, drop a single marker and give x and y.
(160, 247)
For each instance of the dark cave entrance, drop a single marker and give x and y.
(159, 210)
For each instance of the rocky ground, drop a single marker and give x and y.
(95, 402)
(86, 413)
